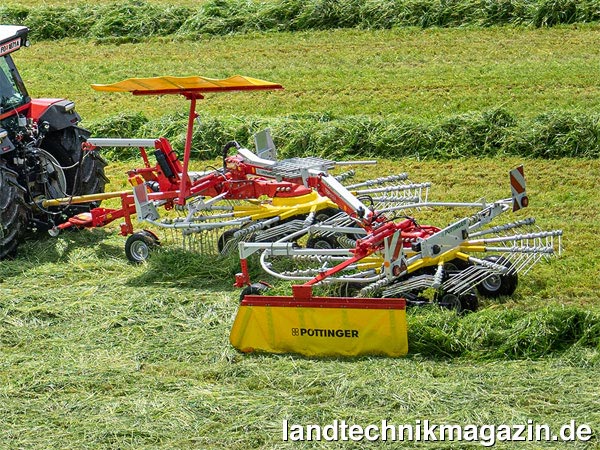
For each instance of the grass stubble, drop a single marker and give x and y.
(98, 353)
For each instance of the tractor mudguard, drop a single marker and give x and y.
(59, 114)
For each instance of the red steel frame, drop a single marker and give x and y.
(409, 232)
(238, 181)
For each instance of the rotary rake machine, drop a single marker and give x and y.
(320, 198)
(252, 197)
(372, 264)
(386, 254)
(307, 227)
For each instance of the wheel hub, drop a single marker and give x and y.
(139, 250)
(492, 283)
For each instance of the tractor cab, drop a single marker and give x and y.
(13, 93)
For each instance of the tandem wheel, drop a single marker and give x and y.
(498, 284)
(254, 289)
(462, 304)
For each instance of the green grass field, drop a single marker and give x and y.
(72, 3)
(409, 72)
(97, 353)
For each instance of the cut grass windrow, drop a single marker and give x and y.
(414, 73)
(507, 333)
(137, 20)
(496, 332)
(490, 133)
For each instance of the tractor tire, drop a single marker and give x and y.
(13, 212)
(498, 285)
(84, 171)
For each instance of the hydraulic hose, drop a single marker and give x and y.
(226, 148)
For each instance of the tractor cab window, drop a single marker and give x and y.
(10, 94)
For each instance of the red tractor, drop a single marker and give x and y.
(41, 153)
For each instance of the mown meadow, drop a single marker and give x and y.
(98, 353)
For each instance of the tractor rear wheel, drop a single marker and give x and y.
(13, 212)
(84, 171)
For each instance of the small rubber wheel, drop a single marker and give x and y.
(450, 301)
(253, 289)
(322, 242)
(498, 284)
(325, 214)
(456, 265)
(139, 246)
(349, 289)
(469, 303)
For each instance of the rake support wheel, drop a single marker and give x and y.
(254, 289)
(139, 246)
(498, 284)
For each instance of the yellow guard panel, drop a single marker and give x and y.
(321, 327)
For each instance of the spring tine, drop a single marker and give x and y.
(399, 188)
(466, 279)
(505, 227)
(279, 231)
(414, 283)
(515, 237)
(382, 180)
(345, 176)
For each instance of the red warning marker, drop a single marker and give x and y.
(517, 187)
